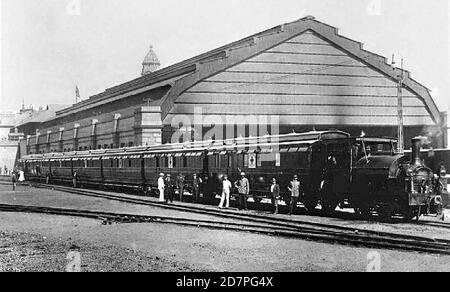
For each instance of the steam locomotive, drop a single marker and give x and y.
(335, 169)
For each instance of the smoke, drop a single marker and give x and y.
(430, 134)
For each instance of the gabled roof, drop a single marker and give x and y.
(247, 48)
(184, 75)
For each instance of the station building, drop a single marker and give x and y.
(9, 140)
(302, 76)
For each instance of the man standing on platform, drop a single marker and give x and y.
(169, 188)
(196, 183)
(226, 192)
(275, 194)
(243, 187)
(21, 176)
(14, 179)
(161, 187)
(75, 179)
(294, 188)
(180, 185)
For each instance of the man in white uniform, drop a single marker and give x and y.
(161, 187)
(21, 176)
(226, 191)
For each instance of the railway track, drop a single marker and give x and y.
(307, 230)
(266, 229)
(435, 224)
(226, 213)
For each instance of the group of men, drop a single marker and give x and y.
(294, 189)
(167, 187)
(243, 187)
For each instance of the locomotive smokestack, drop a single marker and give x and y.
(415, 153)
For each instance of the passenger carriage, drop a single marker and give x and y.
(261, 158)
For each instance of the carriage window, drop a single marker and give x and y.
(267, 160)
(184, 161)
(218, 161)
(129, 163)
(120, 163)
(158, 162)
(277, 159)
(194, 161)
(169, 162)
(223, 160)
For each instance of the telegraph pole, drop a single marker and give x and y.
(401, 137)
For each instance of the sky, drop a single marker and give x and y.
(50, 46)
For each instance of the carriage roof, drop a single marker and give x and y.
(266, 143)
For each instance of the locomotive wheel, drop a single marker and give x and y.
(328, 208)
(410, 213)
(311, 205)
(257, 200)
(386, 211)
(364, 212)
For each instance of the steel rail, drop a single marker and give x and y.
(108, 217)
(240, 216)
(278, 222)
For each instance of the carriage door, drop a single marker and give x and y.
(205, 163)
(338, 167)
(317, 166)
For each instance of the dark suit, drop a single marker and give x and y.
(169, 190)
(196, 183)
(180, 186)
(275, 195)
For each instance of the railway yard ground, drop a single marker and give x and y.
(42, 242)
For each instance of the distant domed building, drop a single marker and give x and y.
(151, 62)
